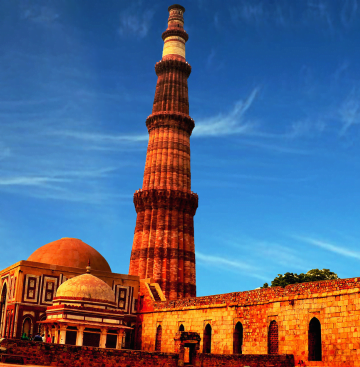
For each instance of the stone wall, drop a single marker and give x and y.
(335, 303)
(217, 360)
(71, 356)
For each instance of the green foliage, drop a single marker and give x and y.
(311, 276)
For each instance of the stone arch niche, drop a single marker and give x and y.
(273, 338)
(207, 339)
(27, 326)
(315, 353)
(238, 338)
(2, 308)
(158, 339)
(181, 328)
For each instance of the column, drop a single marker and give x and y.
(46, 331)
(121, 334)
(55, 333)
(103, 335)
(80, 335)
(62, 333)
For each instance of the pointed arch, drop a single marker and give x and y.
(158, 339)
(3, 299)
(26, 326)
(273, 338)
(181, 328)
(314, 338)
(238, 338)
(207, 339)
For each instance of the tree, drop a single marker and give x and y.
(311, 276)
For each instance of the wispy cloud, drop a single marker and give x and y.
(221, 262)
(319, 10)
(273, 252)
(350, 111)
(286, 14)
(330, 247)
(134, 22)
(100, 137)
(42, 14)
(231, 123)
(349, 12)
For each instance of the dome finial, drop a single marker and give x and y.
(88, 268)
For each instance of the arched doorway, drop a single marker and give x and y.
(315, 340)
(238, 338)
(2, 308)
(273, 338)
(158, 339)
(207, 339)
(181, 328)
(26, 327)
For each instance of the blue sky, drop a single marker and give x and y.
(275, 95)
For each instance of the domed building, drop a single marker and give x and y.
(51, 292)
(84, 312)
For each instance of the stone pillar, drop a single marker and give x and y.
(46, 331)
(55, 333)
(103, 335)
(121, 334)
(62, 333)
(80, 335)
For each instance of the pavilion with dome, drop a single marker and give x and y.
(55, 292)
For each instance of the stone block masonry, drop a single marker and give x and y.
(44, 354)
(246, 360)
(334, 305)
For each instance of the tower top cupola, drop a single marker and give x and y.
(175, 36)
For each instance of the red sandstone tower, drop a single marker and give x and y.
(163, 246)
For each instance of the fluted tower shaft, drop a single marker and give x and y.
(163, 246)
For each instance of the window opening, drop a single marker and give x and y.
(273, 338)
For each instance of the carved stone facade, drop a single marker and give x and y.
(28, 288)
(163, 247)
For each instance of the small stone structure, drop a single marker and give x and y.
(84, 312)
(187, 345)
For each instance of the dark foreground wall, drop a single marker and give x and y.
(242, 360)
(71, 356)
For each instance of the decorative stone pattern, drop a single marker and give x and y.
(73, 356)
(40, 281)
(163, 247)
(334, 303)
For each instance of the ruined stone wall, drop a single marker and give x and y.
(246, 360)
(335, 303)
(72, 356)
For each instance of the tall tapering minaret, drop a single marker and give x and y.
(163, 246)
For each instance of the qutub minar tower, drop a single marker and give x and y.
(163, 247)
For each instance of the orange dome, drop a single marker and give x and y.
(85, 287)
(70, 252)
